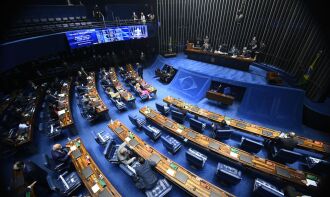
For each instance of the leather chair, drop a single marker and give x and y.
(65, 184)
(102, 137)
(162, 109)
(222, 134)
(141, 123)
(262, 188)
(151, 131)
(161, 189)
(196, 158)
(54, 129)
(250, 145)
(284, 155)
(317, 165)
(138, 122)
(178, 116)
(171, 144)
(52, 165)
(228, 174)
(110, 151)
(197, 125)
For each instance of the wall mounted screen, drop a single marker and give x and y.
(87, 37)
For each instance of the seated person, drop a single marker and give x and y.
(245, 53)
(141, 91)
(90, 108)
(112, 93)
(81, 89)
(60, 154)
(233, 51)
(146, 177)
(105, 81)
(289, 142)
(124, 155)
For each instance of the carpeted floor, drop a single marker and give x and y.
(83, 129)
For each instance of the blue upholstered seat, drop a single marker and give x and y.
(197, 125)
(222, 134)
(284, 155)
(138, 122)
(196, 158)
(162, 109)
(228, 174)
(65, 183)
(102, 137)
(262, 188)
(178, 116)
(161, 189)
(152, 132)
(110, 151)
(171, 144)
(250, 145)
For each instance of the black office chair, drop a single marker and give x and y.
(51, 164)
(65, 183)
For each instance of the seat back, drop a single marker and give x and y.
(152, 132)
(70, 182)
(138, 122)
(161, 108)
(262, 188)
(228, 173)
(178, 116)
(196, 158)
(197, 125)
(110, 151)
(250, 145)
(170, 143)
(222, 134)
(161, 189)
(285, 155)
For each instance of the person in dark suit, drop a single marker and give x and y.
(60, 155)
(140, 70)
(147, 178)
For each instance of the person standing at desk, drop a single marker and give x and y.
(140, 70)
(146, 177)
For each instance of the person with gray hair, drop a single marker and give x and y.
(124, 155)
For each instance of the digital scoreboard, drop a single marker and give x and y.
(87, 37)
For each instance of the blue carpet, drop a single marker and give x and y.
(120, 180)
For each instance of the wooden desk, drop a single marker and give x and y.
(234, 154)
(193, 184)
(94, 95)
(303, 142)
(124, 94)
(64, 114)
(131, 72)
(97, 178)
(238, 62)
(217, 96)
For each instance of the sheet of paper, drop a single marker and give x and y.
(127, 139)
(179, 130)
(95, 188)
(234, 154)
(61, 112)
(170, 172)
(311, 182)
(73, 148)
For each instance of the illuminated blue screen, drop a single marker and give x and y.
(87, 37)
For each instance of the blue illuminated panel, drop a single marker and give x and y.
(87, 37)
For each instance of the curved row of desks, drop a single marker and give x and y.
(124, 94)
(91, 175)
(303, 142)
(188, 181)
(132, 73)
(94, 95)
(266, 166)
(64, 115)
